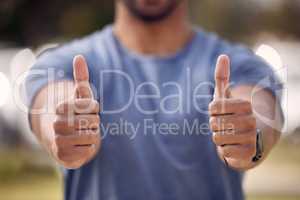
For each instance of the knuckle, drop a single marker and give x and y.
(96, 133)
(97, 119)
(86, 105)
(95, 103)
(98, 145)
(94, 122)
(212, 107)
(94, 125)
(217, 139)
(97, 106)
(212, 122)
(57, 124)
(60, 108)
(81, 103)
(95, 136)
(215, 106)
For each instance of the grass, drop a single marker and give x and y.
(286, 151)
(49, 187)
(20, 179)
(32, 187)
(272, 198)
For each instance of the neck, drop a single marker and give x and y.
(161, 38)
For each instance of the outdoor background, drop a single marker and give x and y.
(270, 27)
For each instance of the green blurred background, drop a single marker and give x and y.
(34, 22)
(27, 173)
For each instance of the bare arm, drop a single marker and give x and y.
(43, 114)
(64, 118)
(267, 113)
(236, 114)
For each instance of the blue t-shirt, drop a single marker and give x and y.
(154, 122)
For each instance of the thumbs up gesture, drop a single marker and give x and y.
(76, 127)
(231, 121)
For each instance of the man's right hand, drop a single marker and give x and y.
(76, 127)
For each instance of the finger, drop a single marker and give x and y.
(80, 137)
(83, 122)
(68, 125)
(75, 153)
(234, 137)
(81, 77)
(232, 122)
(78, 106)
(222, 76)
(230, 106)
(83, 90)
(80, 69)
(238, 151)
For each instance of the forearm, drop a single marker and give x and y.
(269, 121)
(42, 113)
(270, 137)
(65, 118)
(268, 116)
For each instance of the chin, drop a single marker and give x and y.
(151, 10)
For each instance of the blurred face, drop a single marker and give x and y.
(151, 10)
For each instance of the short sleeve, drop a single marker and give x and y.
(50, 67)
(249, 69)
(53, 65)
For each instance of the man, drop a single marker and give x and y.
(176, 122)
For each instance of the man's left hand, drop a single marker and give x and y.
(231, 121)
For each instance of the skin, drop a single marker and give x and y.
(69, 129)
(233, 122)
(151, 11)
(153, 38)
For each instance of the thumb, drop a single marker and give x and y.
(222, 76)
(81, 78)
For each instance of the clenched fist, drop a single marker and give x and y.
(231, 121)
(76, 127)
